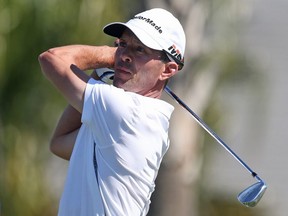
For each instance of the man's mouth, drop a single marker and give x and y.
(122, 72)
(122, 69)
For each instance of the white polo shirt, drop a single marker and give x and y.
(130, 135)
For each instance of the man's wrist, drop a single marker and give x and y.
(105, 57)
(91, 57)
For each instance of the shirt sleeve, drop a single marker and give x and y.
(88, 101)
(104, 108)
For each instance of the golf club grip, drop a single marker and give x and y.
(210, 131)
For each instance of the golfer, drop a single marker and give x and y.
(115, 136)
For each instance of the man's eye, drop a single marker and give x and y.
(122, 44)
(140, 49)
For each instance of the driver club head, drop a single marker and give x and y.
(252, 195)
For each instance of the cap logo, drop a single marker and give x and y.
(175, 52)
(151, 22)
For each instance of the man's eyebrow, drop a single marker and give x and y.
(135, 41)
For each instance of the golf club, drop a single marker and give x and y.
(251, 195)
(248, 197)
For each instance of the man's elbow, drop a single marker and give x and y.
(45, 61)
(43, 57)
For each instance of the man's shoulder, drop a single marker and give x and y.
(154, 104)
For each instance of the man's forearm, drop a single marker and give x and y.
(69, 121)
(86, 57)
(65, 134)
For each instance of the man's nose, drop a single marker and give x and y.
(126, 55)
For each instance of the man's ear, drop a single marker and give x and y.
(171, 68)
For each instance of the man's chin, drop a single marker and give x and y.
(119, 83)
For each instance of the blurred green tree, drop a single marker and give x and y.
(29, 106)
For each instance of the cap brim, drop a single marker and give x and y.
(116, 29)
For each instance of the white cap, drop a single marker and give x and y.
(157, 29)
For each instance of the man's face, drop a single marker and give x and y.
(137, 68)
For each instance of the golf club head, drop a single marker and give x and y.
(252, 195)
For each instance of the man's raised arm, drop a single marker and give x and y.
(64, 67)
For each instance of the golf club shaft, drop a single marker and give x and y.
(210, 131)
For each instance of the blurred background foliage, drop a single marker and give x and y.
(30, 106)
